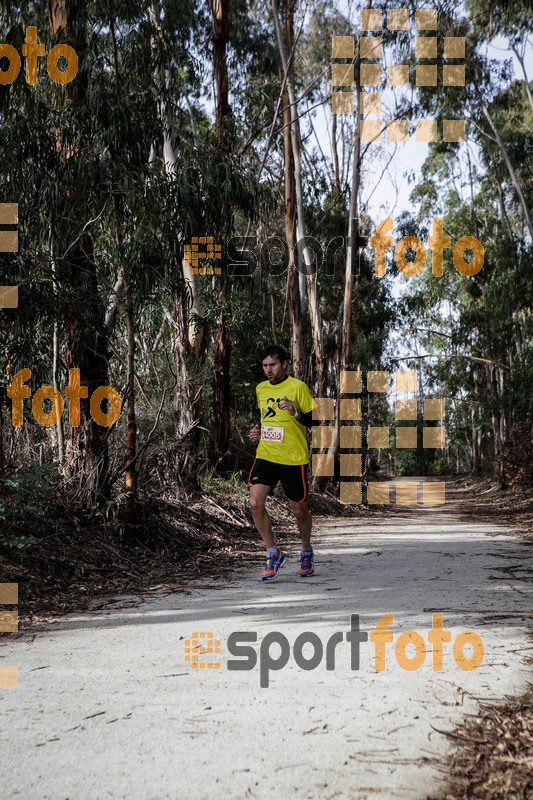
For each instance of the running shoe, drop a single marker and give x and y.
(273, 565)
(306, 564)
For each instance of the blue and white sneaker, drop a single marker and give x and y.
(273, 565)
(307, 567)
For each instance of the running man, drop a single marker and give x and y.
(285, 405)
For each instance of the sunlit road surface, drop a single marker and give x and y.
(107, 706)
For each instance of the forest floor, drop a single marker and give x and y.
(132, 602)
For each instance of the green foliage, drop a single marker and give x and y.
(16, 545)
(25, 498)
(96, 169)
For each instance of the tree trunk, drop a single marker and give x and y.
(131, 443)
(131, 428)
(314, 313)
(293, 289)
(55, 371)
(352, 246)
(220, 38)
(187, 395)
(221, 407)
(495, 381)
(85, 334)
(335, 155)
(188, 337)
(220, 439)
(512, 174)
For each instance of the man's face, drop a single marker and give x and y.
(274, 369)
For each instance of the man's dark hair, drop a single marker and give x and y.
(274, 350)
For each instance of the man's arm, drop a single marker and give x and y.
(305, 412)
(255, 430)
(307, 419)
(303, 400)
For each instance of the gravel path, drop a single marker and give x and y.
(107, 706)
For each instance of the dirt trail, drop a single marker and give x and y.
(107, 706)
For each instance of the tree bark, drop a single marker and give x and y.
(131, 443)
(495, 382)
(85, 334)
(187, 394)
(220, 38)
(188, 337)
(314, 313)
(352, 249)
(512, 174)
(352, 246)
(293, 289)
(335, 154)
(221, 405)
(60, 433)
(131, 426)
(220, 439)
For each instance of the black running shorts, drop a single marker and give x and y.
(293, 478)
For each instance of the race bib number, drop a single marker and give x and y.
(270, 434)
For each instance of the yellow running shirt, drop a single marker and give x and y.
(283, 439)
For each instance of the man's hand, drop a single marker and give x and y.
(255, 432)
(286, 405)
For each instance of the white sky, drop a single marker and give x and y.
(411, 155)
(389, 195)
(386, 193)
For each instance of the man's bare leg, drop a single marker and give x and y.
(258, 495)
(303, 521)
